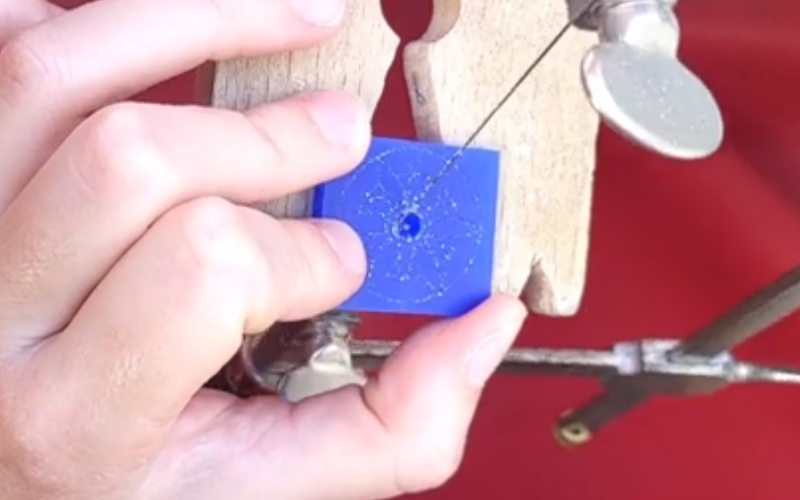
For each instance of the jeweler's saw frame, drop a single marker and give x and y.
(505, 77)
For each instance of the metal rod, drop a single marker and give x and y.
(758, 312)
(747, 372)
(578, 426)
(370, 354)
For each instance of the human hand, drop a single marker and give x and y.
(130, 267)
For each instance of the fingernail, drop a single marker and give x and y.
(484, 358)
(323, 13)
(340, 119)
(345, 243)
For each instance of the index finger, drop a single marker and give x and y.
(63, 69)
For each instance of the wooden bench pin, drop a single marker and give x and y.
(471, 54)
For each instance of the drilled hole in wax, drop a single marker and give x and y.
(408, 227)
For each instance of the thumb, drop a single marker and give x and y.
(405, 430)
(426, 394)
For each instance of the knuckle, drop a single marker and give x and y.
(261, 121)
(325, 266)
(212, 240)
(309, 244)
(29, 65)
(217, 8)
(117, 156)
(295, 274)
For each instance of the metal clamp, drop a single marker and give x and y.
(297, 360)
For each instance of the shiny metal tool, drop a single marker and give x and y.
(754, 315)
(297, 359)
(303, 359)
(656, 365)
(635, 81)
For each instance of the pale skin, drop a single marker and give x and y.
(131, 266)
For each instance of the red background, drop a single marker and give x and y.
(672, 246)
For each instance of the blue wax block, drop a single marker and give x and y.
(427, 222)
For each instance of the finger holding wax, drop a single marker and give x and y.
(128, 164)
(57, 72)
